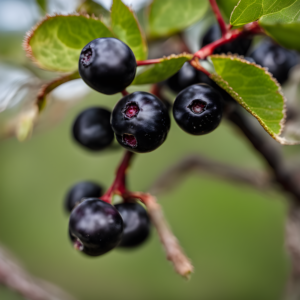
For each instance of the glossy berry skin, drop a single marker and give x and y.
(141, 122)
(136, 224)
(80, 190)
(277, 59)
(198, 109)
(239, 46)
(107, 65)
(185, 77)
(95, 227)
(92, 129)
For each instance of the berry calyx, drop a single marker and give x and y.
(197, 106)
(136, 224)
(129, 140)
(198, 109)
(107, 65)
(131, 110)
(92, 129)
(140, 121)
(95, 227)
(80, 190)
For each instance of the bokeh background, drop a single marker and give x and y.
(233, 233)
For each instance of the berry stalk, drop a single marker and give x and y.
(148, 62)
(119, 186)
(219, 17)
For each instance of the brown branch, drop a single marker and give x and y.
(174, 252)
(50, 86)
(271, 153)
(18, 280)
(200, 164)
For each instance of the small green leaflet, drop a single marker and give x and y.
(163, 70)
(284, 26)
(127, 29)
(169, 16)
(253, 88)
(251, 10)
(56, 42)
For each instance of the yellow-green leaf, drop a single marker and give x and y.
(253, 88)
(56, 42)
(162, 70)
(128, 30)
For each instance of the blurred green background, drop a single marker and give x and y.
(233, 234)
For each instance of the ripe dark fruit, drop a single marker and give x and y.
(107, 65)
(136, 224)
(277, 59)
(198, 109)
(95, 227)
(92, 129)
(84, 189)
(185, 77)
(239, 46)
(141, 122)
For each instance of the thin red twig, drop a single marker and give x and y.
(118, 185)
(219, 17)
(196, 64)
(124, 93)
(249, 29)
(148, 62)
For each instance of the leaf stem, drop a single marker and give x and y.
(219, 17)
(148, 62)
(251, 28)
(119, 186)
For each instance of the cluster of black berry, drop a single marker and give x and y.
(96, 227)
(140, 121)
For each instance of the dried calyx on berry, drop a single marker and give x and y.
(140, 121)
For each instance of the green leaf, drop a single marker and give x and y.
(170, 16)
(56, 42)
(227, 6)
(284, 26)
(163, 70)
(251, 10)
(254, 88)
(128, 30)
(91, 7)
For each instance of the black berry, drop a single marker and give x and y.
(95, 227)
(92, 129)
(84, 189)
(141, 122)
(239, 46)
(185, 77)
(198, 109)
(107, 65)
(136, 224)
(277, 59)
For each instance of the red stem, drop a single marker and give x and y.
(251, 28)
(219, 17)
(148, 62)
(124, 93)
(118, 186)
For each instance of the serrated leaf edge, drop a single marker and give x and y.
(233, 11)
(29, 34)
(242, 102)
